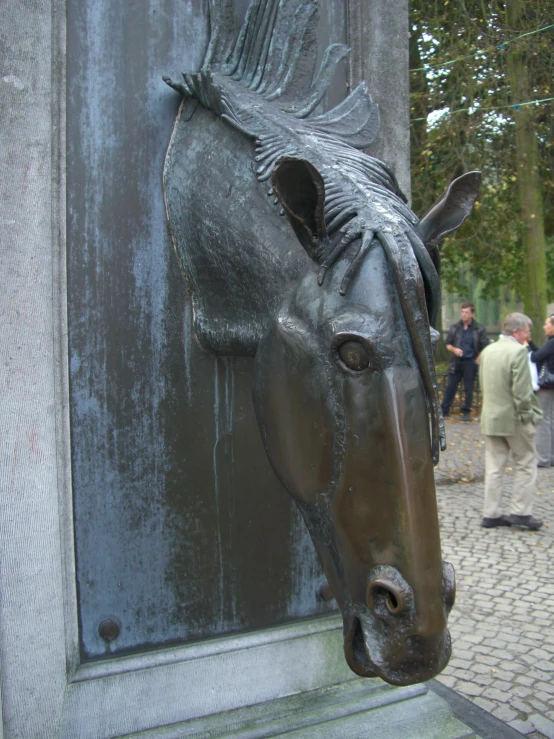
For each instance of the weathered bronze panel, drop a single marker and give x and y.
(182, 529)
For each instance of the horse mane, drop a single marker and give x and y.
(274, 56)
(263, 82)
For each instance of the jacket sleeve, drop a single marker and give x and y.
(522, 389)
(543, 353)
(483, 338)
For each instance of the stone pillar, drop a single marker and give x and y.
(377, 33)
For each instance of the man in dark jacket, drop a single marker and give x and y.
(465, 340)
(545, 433)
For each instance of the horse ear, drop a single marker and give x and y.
(300, 190)
(450, 210)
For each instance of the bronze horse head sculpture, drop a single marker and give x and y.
(336, 302)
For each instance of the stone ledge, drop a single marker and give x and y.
(357, 709)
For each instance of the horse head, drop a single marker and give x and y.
(343, 392)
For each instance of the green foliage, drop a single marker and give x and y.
(447, 143)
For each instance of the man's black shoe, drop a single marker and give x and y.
(527, 522)
(492, 523)
(466, 416)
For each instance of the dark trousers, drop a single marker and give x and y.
(466, 370)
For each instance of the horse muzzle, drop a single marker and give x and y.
(390, 637)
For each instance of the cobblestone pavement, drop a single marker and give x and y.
(502, 622)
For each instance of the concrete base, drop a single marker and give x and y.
(361, 708)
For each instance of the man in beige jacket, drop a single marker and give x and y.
(509, 418)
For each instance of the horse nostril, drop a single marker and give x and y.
(388, 594)
(382, 595)
(385, 600)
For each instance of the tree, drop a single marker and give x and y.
(475, 72)
(528, 176)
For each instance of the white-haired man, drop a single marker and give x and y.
(509, 418)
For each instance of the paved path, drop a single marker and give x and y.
(503, 619)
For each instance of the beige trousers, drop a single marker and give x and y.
(497, 448)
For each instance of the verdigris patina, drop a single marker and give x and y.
(336, 302)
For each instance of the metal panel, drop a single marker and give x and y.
(182, 529)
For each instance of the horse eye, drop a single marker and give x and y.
(354, 355)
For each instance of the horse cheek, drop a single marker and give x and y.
(293, 415)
